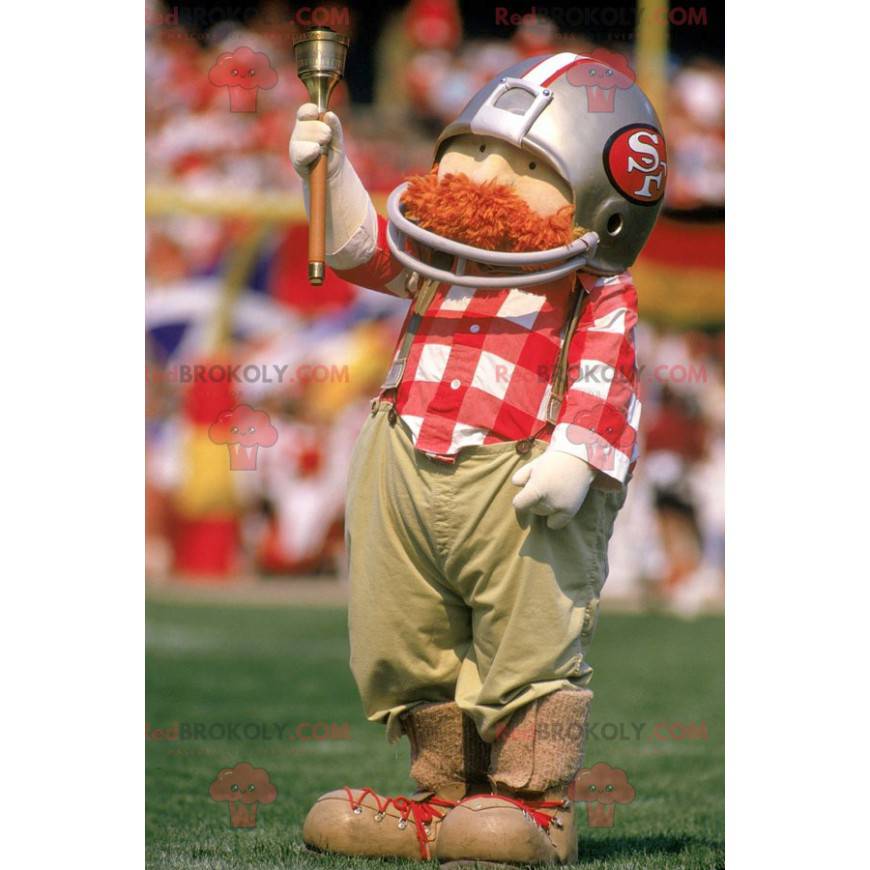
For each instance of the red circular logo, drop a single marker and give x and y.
(635, 159)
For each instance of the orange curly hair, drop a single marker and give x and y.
(489, 215)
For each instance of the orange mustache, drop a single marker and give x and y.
(490, 216)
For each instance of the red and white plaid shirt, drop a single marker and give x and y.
(481, 363)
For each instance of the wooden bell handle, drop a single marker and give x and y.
(317, 222)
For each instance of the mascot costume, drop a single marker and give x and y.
(485, 483)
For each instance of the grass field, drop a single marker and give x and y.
(257, 669)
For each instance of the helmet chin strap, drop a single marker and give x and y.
(570, 257)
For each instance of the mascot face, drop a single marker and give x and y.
(486, 159)
(490, 195)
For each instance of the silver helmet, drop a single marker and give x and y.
(585, 116)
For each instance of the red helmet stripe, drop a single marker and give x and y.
(563, 70)
(550, 68)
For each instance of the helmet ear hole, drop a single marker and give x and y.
(614, 224)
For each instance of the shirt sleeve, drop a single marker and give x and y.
(599, 417)
(381, 271)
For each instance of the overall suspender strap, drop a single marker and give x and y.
(559, 382)
(422, 300)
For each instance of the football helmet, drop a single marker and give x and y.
(587, 117)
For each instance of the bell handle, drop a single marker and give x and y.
(317, 221)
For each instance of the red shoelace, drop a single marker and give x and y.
(531, 808)
(423, 812)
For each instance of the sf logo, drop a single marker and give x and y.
(635, 159)
(649, 163)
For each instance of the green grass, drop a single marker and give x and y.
(216, 665)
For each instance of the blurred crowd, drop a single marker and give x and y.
(227, 293)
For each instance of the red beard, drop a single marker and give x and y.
(489, 215)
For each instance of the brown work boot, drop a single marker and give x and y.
(530, 817)
(448, 761)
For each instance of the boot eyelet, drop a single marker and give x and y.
(558, 823)
(379, 817)
(403, 823)
(357, 811)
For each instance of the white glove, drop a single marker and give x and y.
(311, 137)
(351, 220)
(554, 486)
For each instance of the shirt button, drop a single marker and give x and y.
(475, 328)
(524, 446)
(455, 384)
